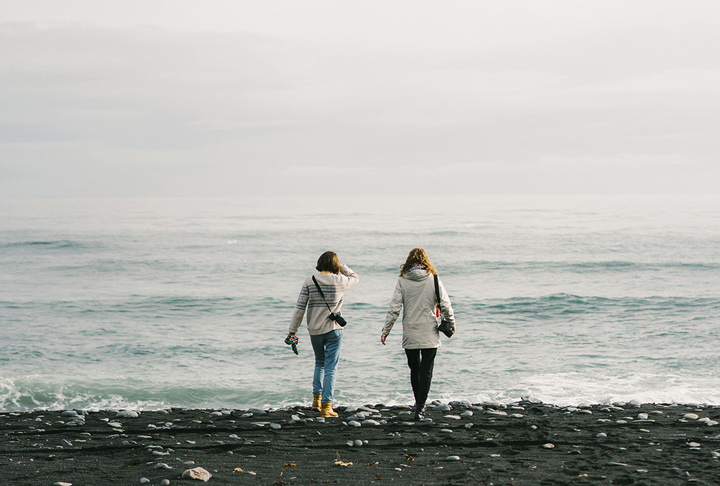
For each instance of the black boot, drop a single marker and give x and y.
(419, 410)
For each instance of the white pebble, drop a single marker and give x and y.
(499, 413)
(354, 423)
(694, 444)
(467, 413)
(127, 414)
(549, 446)
(144, 481)
(642, 416)
(446, 431)
(358, 443)
(60, 483)
(275, 426)
(452, 458)
(601, 435)
(165, 482)
(691, 416)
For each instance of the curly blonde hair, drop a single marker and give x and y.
(418, 256)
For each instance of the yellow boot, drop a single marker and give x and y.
(316, 402)
(327, 410)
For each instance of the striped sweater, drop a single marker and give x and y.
(318, 315)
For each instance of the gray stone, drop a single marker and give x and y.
(275, 426)
(358, 443)
(198, 473)
(370, 422)
(127, 414)
(354, 423)
(452, 458)
(165, 482)
(442, 408)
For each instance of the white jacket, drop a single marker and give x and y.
(415, 295)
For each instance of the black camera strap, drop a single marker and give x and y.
(437, 290)
(322, 294)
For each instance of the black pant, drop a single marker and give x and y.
(421, 362)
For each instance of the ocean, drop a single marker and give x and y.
(154, 303)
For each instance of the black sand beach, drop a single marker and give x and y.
(519, 444)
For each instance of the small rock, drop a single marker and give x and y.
(66, 443)
(442, 408)
(275, 426)
(69, 413)
(691, 416)
(354, 423)
(127, 414)
(643, 416)
(257, 411)
(453, 417)
(144, 481)
(446, 431)
(601, 435)
(198, 473)
(467, 413)
(371, 422)
(549, 446)
(452, 458)
(165, 482)
(694, 444)
(60, 483)
(499, 413)
(634, 403)
(358, 443)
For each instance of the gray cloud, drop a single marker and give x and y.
(479, 98)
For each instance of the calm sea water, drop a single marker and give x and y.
(152, 303)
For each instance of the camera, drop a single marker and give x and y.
(338, 318)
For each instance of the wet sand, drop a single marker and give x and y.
(519, 444)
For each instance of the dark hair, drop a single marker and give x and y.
(328, 262)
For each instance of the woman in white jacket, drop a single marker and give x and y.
(415, 296)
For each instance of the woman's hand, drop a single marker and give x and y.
(382, 338)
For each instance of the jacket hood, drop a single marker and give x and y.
(418, 274)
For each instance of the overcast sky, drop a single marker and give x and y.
(224, 98)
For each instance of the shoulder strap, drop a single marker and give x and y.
(437, 289)
(321, 293)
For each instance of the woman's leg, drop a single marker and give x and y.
(413, 360)
(318, 344)
(333, 340)
(427, 363)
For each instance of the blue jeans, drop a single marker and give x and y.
(327, 355)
